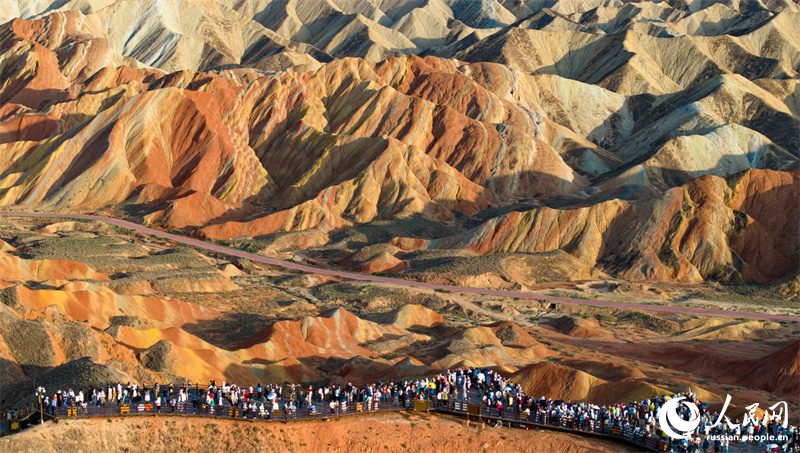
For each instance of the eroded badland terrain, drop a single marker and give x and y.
(118, 306)
(634, 152)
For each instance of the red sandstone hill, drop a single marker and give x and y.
(779, 371)
(227, 143)
(742, 228)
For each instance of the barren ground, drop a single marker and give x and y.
(370, 434)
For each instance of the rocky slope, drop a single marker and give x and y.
(709, 228)
(234, 144)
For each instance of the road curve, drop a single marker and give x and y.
(374, 278)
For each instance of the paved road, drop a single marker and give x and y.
(373, 278)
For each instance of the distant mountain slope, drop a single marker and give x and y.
(203, 34)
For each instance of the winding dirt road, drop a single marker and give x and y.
(374, 278)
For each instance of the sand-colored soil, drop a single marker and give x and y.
(370, 433)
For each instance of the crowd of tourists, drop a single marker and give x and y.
(476, 385)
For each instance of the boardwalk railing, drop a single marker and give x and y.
(20, 419)
(322, 410)
(514, 417)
